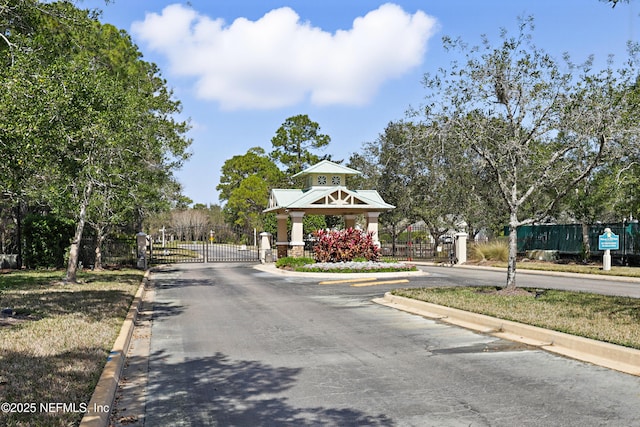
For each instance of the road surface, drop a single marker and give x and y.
(233, 346)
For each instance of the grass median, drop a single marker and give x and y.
(604, 318)
(569, 267)
(54, 341)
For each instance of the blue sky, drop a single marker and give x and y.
(242, 67)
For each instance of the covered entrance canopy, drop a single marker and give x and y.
(325, 193)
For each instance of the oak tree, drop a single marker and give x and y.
(536, 126)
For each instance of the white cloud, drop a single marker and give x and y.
(278, 60)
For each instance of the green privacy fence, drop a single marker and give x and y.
(566, 239)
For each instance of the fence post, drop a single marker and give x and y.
(606, 258)
(141, 241)
(461, 247)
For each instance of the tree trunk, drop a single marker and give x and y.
(586, 248)
(99, 241)
(19, 234)
(513, 252)
(72, 267)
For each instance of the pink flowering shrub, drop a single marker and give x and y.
(344, 246)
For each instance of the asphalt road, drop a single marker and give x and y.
(233, 346)
(473, 276)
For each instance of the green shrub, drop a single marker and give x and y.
(47, 238)
(293, 262)
(344, 246)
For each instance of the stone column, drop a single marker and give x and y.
(297, 236)
(461, 247)
(372, 225)
(282, 242)
(349, 221)
(265, 248)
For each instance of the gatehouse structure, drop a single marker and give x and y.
(325, 193)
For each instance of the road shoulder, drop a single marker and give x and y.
(129, 405)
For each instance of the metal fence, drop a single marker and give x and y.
(115, 252)
(415, 242)
(220, 243)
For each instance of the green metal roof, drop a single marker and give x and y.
(327, 198)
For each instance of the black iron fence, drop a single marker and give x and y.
(114, 252)
(408, 244)
(220, 243)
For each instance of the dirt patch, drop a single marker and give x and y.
(11, 321)
(505, 291)
(512, 292)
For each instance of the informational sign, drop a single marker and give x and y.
(608, 240)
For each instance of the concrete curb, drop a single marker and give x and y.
(271, 268)
(99, 407)
(599, 353)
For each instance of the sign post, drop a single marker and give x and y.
(608, 242)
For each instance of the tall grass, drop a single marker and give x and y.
(496, 250)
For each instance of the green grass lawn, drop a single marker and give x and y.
(53, 349)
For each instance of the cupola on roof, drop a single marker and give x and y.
(326, 193)
(327, 167)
